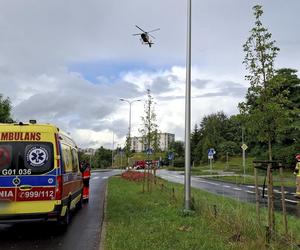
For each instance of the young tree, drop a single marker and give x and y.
(262, 111)
(5, 109)
(149, 130)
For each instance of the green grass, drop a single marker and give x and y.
(137, 220)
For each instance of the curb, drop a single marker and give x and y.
(104, 222)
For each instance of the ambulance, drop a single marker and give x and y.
(40, 179)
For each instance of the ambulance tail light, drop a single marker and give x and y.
(59, 187)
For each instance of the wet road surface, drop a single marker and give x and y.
(82, 234)
(245, 193)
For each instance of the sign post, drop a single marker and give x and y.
(244, 148)
(210, 155)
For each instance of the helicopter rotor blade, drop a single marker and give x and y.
(137, 34)
(153, 30)
(151, 36)
(140, 29)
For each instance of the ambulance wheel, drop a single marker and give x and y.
(66, 219)
(80, 203)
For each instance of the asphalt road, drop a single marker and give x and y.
(83, 233)
(245, 193)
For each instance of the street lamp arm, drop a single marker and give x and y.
(129, 102)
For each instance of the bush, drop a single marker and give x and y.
(179, 162)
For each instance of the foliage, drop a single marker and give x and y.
(262, 111)
(216, 131)
(102, 158)
(83, 157)
(149, 130)
(5, 109)
(177, 147)
(128, 152)
(179, 162)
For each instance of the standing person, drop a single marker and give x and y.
(296, 172)
(86, 174)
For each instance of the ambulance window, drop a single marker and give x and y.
(5, 158)
(75, 160)
(67, 157)
(38, 157)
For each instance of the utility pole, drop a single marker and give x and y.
(112, 151)
(187, 176)
(129, 123)
(244, 154)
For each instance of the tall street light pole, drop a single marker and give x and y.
(187, 175)
(129, 125)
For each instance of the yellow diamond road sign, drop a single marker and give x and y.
(244, 146)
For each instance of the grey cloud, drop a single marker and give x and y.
(160, 85)
(200, 83)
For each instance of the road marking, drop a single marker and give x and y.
(292, 201)
(226, 186)
(216, 184)
(238, 189)
(250, 186)
(105, 177)
(250, 192)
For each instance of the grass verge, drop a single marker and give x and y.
(154, 220)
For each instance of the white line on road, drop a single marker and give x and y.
(105, 177)
(292, 201)
(250, 186)
(250, 192)
(216, 184)
(226, 186)
(238, 189)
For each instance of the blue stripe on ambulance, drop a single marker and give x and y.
(30, 180)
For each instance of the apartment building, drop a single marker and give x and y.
(165, 140)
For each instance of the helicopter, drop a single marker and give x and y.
(145, 36)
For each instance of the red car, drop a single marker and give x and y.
(139, 164)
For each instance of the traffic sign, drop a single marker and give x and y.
(149, 151)
(244, 147)
(211, 152)
(171, 156)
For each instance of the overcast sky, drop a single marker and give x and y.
(69, 62)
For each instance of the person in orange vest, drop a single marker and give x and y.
(297, 167)
(296, 172)
(86, 174)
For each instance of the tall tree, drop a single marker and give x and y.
(287, 144)
(149, 130)
(5, 109)
(195, 138)
(262, 111)
(102, 158)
